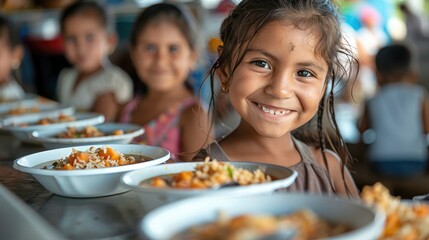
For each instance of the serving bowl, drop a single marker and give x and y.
(23, 133)
(86, 182)
(366, 222)
(152, 197)
(50, 140)
(28, 107)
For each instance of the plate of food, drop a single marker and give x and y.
(89, 171)
(175, 181)
(264, 216)
(22, 127)
(405, 219)
(106, 133)
(28, 107)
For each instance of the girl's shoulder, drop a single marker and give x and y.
(192, 110)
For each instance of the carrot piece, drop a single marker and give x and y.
(108, 153)
(158, 182)
(118, 132)
(183, 176)
(81, 156)
(68, 166)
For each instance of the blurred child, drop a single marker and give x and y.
(93, 84)
(398, 114)
(164, 51)
(11, 54)
(276, 62)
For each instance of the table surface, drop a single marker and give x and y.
(112, 217)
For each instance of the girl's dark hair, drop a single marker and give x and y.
(84, 6)
(244, 22)
(9, 32)
(179, 15)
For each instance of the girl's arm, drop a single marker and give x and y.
(106, 104)
(343, 186)
(195, 133)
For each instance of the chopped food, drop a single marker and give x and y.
(95, 158)
(302, 224)
(87, 132)
(211, 174)
(403, 220)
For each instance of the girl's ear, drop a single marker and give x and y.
(194, 59)
(17, 56)
(223, 78)
(112, 41)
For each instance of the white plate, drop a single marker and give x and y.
(49, 140)
(90, 182)
(34, 117)
(23, 133)
(159, 224)
(41, 104)
(152, 197)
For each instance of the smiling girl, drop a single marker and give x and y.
(278, 58)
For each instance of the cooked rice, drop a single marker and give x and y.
(96, 159)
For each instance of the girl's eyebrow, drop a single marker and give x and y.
(263, 52)
(302, 64)
(311, 64)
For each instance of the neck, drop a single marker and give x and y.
(246, 135)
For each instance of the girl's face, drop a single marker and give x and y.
(86, 42)
(8, 57)
(279, 83)
(162, 56)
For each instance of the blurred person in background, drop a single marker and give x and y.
(417, 26)
(164, 52)
(398, 114)
(94, 83)
(371, 38)
(11, 54)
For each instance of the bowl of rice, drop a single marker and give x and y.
(105, 133)
(23, 126)
(89, 171)
(175, 181)
(265, 216)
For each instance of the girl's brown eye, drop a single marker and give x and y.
(151, 48)
(174, 49)
(304, 73)
(261, 64)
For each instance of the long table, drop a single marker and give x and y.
(112, 217)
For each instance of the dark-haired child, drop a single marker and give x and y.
(93, 84)
(11, 54)
(164, 51)
(398, 114)
(277, 61)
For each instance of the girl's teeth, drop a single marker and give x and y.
(271, 111)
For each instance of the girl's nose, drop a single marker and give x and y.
(281, 85)
(161, 56)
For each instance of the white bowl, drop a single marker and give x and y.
(90, 182)
(41, 104)
(159, 224)
(49, 140)
(24, 133)
(152, 197)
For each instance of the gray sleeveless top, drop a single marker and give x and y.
(311, 176)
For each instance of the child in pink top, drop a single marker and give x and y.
(163, 51)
